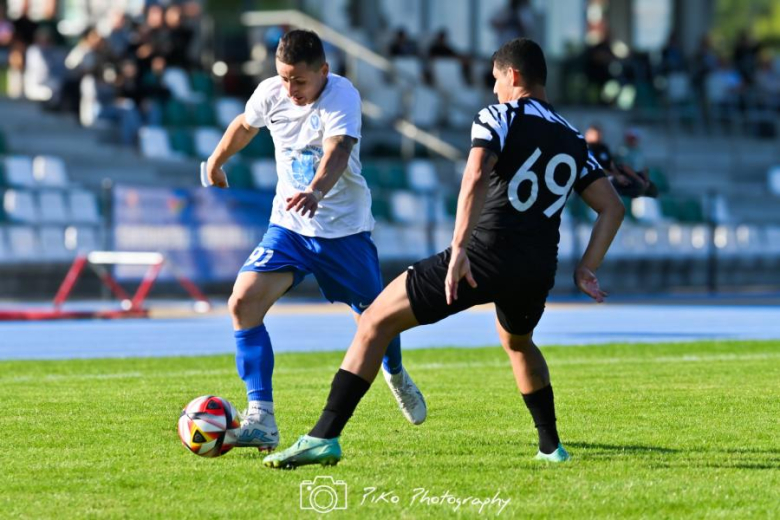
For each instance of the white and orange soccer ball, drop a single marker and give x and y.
(208, 426)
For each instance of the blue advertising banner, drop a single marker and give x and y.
(206, 234)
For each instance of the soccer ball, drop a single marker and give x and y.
(208, 426)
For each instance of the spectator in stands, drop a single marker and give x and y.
(672, 56)
(705, 60)
(441, 48)
(598, 59)
(768, 83)
(85, 58)
(24, 27)
(724, 86)
(6, 36)
(402, 45)
(746, 57)
(515, 20)
(121, 35)
(43, 68)
(179, 38)
(626, 180)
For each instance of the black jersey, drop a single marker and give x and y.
(541, 159)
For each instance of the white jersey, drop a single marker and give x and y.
(298, 133)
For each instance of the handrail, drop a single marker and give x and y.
(355, 50)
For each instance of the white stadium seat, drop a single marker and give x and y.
(178, 83)
(19, 171)
(83, 207)
(426, 107)
(206, 139)
(408, 207)
(81, 239)
(421, 175)
(52, 240)
(388, 99)
(52, 207)
(264, 174)
(155, 144)
(22, 243)
(5, 251)
(227, 110)
(50, 171)
(20, 206)
(409, 67)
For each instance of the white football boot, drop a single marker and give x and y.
(409, 397)
(258, 428)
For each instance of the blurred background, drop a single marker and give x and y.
(107, 107)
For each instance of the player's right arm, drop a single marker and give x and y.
(602, 197)
(236, 137)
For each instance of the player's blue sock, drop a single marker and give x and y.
(255, 362)
(392, 360)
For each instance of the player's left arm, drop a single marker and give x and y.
(602, 197)
(335, 159)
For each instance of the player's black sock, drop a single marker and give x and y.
(541, 404)
(346, 391)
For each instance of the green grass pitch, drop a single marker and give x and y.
(662, 431)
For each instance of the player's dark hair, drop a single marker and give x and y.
(301, 46)
(524, 55)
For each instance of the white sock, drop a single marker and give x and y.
(265, 406)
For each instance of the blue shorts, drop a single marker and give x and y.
(346, 268)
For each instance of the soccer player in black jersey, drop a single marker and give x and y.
(525, 161)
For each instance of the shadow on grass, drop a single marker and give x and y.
(615, 449)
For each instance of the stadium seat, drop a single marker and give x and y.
(227, 109)
(239, 175)
(368, 77)
(83, 207)
(181, 141)
(426, 106)
(448, 73)
(409, 67)
(52, 241)
(659, 179)
(371, 172)
(392, 175)
(19, 206)
(81, 239)
(773, 178)
(421, 175)
(646, 210)
(262, 146)
(264, 174)
(408, 207)
(380, 207)
(52, 207)
(201, 83)
(580, 211)
(154, 143)
(388, 99)
(176, 113)
(203, 114)
(178, 83)
(5, 252)
(50, 171)
(3, 144)
(23, 243)
(206, 140)
(19, 171)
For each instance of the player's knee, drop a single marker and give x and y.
(241, 305)
(519, 343)
(372, 327)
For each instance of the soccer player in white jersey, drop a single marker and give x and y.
(320, 223)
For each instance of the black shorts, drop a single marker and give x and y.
(515, 277)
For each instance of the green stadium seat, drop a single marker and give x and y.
(659, 179)
(380, 207)
(687, 210)
(240, 176)
(203, 114)
(175, 113)
(392, 175)
(262, 146)
(579, 210)
(181, 141)
(201, 82)
(371, 172)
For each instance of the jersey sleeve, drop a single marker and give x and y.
(342, 114)
(490, 128)
(590, 172)
(255, 110)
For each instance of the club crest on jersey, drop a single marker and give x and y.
(314, 121)
(303, 166)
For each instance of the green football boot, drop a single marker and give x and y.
(306, 450)
(559, 455)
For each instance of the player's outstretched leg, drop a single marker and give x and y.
(533, 381)
(253, 294)
(387, 317)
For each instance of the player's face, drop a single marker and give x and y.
(301, 82)
(503, 85)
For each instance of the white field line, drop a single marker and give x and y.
(704, 358)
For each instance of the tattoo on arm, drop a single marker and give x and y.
(342, 143)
